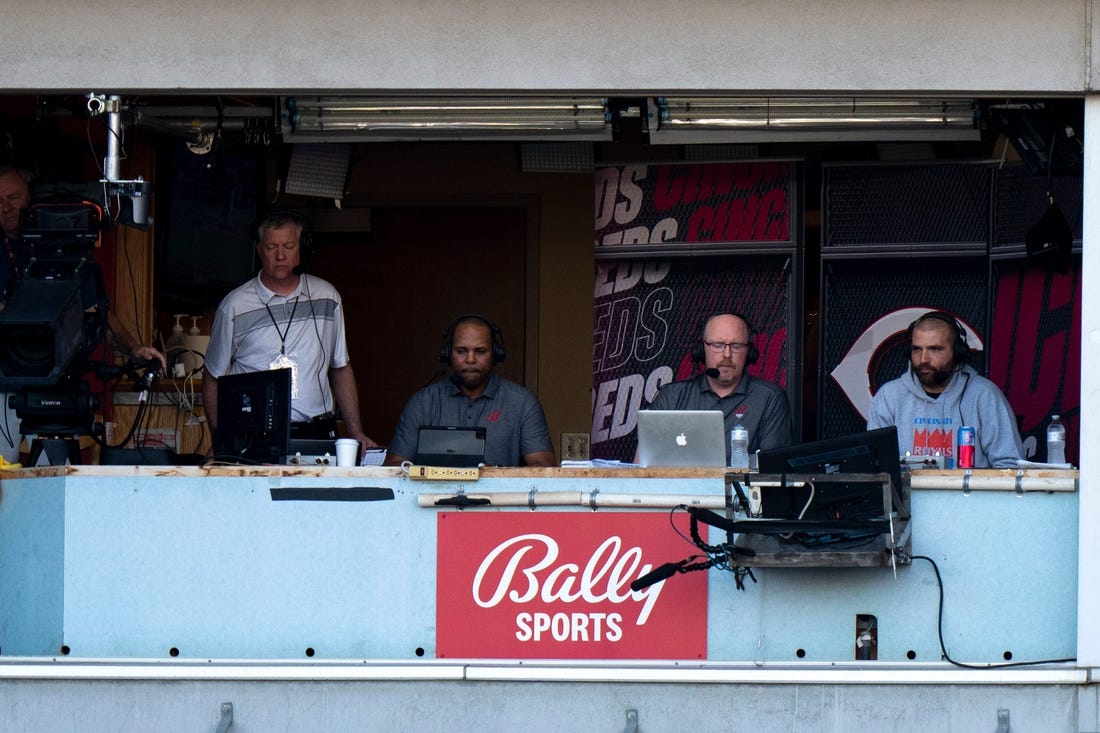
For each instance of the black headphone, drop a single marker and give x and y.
(697, 354)
(494, 331)
(960, 349)
(274, 218)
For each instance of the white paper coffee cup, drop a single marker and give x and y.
(347, 451)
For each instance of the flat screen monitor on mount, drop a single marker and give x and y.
(253, 416)
(872, 451)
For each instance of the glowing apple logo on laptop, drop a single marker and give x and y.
(681, 439)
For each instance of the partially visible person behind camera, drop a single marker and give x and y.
(15, 196)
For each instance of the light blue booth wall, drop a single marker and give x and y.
(211, 567)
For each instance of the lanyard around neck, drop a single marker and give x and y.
(284, 333)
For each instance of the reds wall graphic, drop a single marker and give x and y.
(556, 585)
(642, 204)
(1035, 347)
(647, 311)
(647, 317)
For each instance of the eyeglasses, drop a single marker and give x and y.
(718, 347)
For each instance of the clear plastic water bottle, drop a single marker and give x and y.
(739, 446)
(1056, 440)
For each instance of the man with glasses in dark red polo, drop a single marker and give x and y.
(725, 349)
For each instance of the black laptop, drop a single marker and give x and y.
(451, 447)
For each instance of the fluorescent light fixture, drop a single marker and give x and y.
(774, 119)
(444, 118)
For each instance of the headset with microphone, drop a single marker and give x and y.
(275, 218)
(960, 349)
(698, 354)
(495, 333)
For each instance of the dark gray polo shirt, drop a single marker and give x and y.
(761, 405)
(511, 415)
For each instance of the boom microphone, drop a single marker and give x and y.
(712, 372)
(664, 572)
(455, 379)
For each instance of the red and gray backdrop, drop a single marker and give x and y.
(674, 244)
(901, 240)
(677, 242)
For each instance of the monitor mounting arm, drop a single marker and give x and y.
(137, 190)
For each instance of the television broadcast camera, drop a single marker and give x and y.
(54, 316)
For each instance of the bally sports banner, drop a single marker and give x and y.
(556, 585)
(694, 203)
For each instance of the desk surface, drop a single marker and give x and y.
(1058, 479)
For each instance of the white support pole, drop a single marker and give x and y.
(1088, 534)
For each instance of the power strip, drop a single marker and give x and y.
(443, 473)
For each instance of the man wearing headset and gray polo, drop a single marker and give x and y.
(474, 396)
(725, 348)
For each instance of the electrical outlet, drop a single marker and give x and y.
(443, 473)
(574, 446)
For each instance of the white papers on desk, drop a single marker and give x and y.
(598, 463)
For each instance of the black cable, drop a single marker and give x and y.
(943, 647)
(5, 430)
(718, 556)
(1050, 167)
(133, 286)
(91, 144)
(321, 345)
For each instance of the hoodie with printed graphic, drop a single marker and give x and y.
(928, 424)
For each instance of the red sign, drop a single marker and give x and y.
(556, 585)
(694, 203)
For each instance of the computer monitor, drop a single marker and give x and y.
(253, 416)
(871, 451)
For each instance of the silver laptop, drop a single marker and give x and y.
(681, 438)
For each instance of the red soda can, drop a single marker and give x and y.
(966, 437)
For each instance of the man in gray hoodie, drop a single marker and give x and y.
(939, 393)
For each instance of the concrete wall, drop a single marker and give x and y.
(298, 705)
(858, 45)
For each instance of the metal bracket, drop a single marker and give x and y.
(1002, 721)
(631, 721)
(227, 718)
